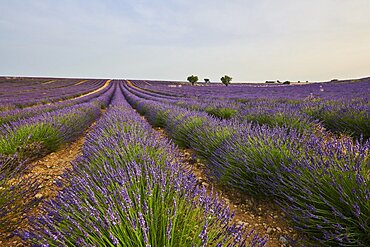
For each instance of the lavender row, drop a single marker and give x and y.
(26, 140)
(320, 182)
(152, 93)
(128, 190)
(268, 113)
(339, 90)
(16, 198)
(43, 89)
(51, 128)
(100, 101)
(18, 114)
(44, 96)
(341, 117)
(27, 84)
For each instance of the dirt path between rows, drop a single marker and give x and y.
(47, 171)
(264, 216)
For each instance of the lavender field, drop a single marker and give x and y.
(303, 148)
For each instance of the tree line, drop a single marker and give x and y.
(194, 79)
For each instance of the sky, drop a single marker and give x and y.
(249, 40)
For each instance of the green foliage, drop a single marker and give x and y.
(206, 140)
(260, 153)
(193, 79)
(183, 127)
(342, 119)
(282, 120)
(342, 209)
(224, 112)
(30, 140)
(160, 118)
(226, 80)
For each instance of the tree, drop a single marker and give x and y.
(226, 80)
(206, 80)
(192, 79)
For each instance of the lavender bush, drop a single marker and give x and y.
(133, 193)
(17, 195)
(321, 182)
(27, 139)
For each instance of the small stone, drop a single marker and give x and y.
(38, 195)
(283, 240)
(205, 184)
(269, 230)
(249, 203)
